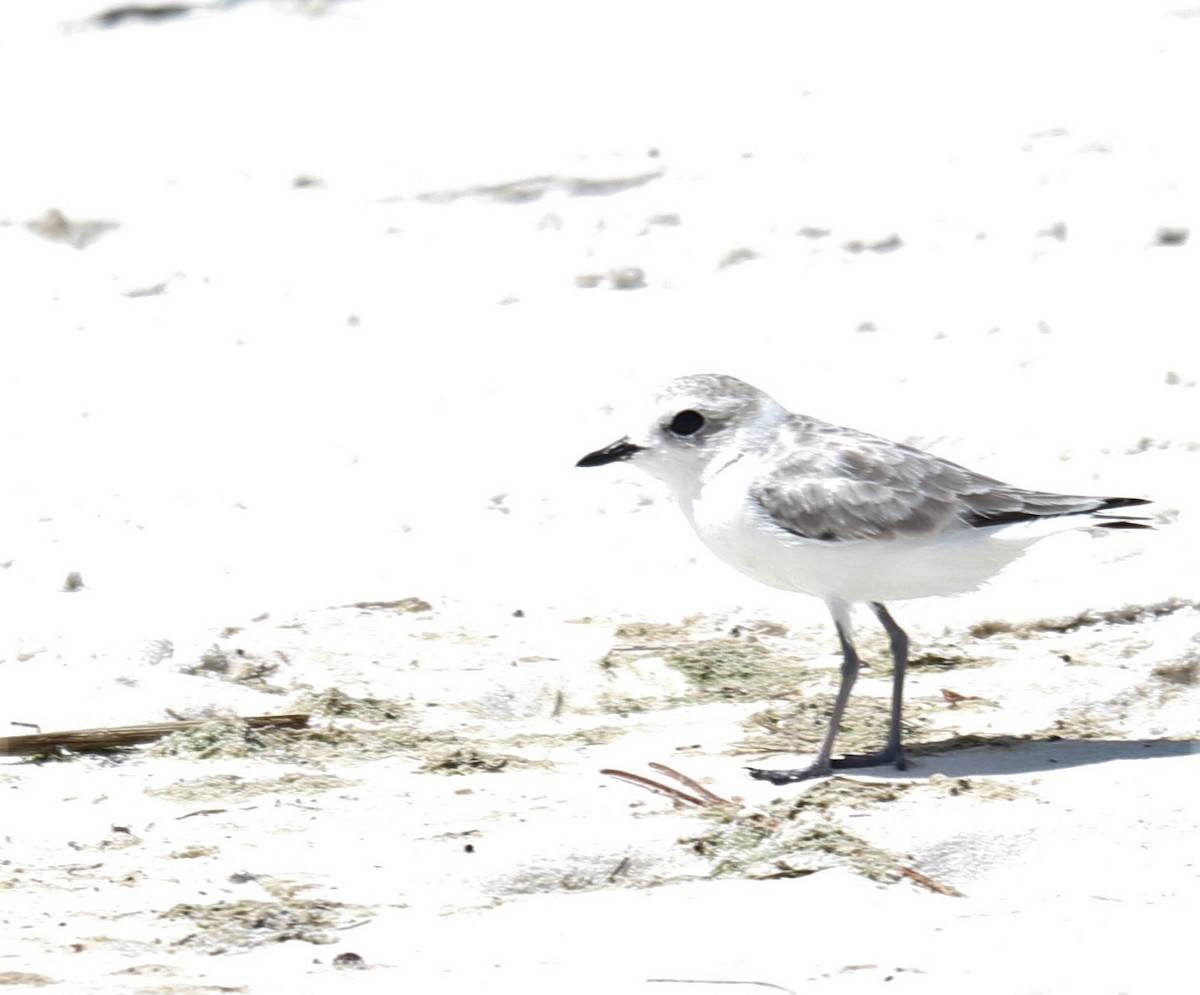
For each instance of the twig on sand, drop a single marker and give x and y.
(703, 798)
(202, 811)
(721, 981)
(921, 879)
(688, 782)
(81, 740)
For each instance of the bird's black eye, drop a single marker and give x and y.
(686, 423)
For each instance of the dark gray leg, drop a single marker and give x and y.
(899, 641)
(892, 752)
(850, 664)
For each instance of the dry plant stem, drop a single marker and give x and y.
(656, 787)
(80, 740)
(688, 782)
(702, 799)
(721, 981)
(921, 879)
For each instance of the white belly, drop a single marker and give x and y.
(738, 530)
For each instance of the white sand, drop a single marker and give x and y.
(328, 354)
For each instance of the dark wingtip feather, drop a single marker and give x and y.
(1133, 522)
(1122, 503)
(981, 520)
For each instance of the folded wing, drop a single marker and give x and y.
(836, 485)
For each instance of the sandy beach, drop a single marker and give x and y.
(309, 310)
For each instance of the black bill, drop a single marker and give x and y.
(622, 449)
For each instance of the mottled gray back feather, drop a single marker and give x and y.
(837, 484)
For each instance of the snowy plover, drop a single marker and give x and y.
(806, 506)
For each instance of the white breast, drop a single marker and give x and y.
(738, 530)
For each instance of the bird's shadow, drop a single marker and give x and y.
(964, 756)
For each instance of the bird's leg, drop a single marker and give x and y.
(850, 664)
(899, 641)
(892, 752)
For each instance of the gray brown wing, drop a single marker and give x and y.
(835, 484)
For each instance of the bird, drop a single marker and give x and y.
(807, 506)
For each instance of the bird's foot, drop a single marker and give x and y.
(852, 761)
(790, 776)
(888, 755)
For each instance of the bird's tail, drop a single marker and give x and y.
(1121, 521)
